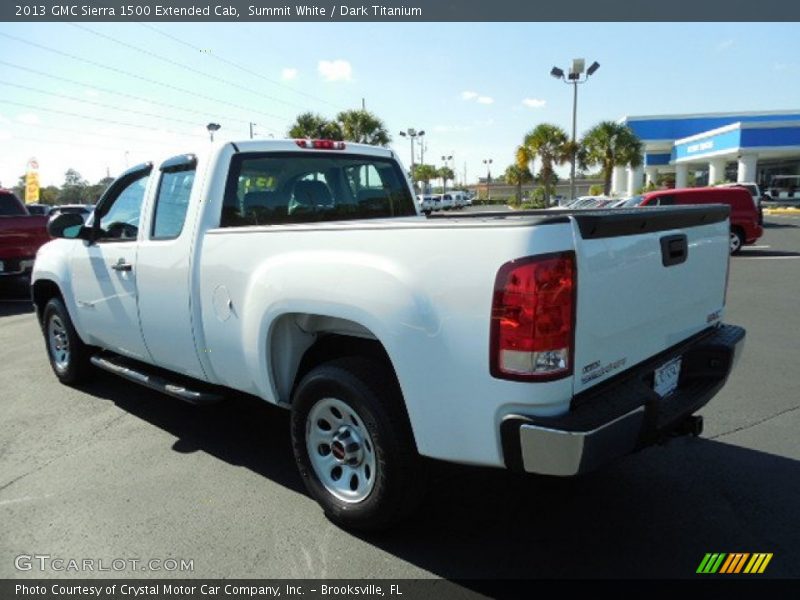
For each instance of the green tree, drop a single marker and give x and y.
(516, 175)
(551, 146)
(49, 195)
(424, 173)
(19, 188)
(314, 126)
(362, 127)
(93, 192)
(610, 144)
(445, 173)
(74, 190)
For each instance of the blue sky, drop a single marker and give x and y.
(475, 88)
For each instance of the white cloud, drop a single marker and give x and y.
(335, 70)
(724, 45)
(28, 119)
(288, 73)
(485, 100)
(91, 93)
(469, 95)
(534, 102)
(5, 135)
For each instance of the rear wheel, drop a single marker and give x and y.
(353, 444)
(69, 356)
(737, 241)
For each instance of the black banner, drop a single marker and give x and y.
(403, 10)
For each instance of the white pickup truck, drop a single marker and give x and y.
(300, 272)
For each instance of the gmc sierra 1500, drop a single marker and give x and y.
(300, 271)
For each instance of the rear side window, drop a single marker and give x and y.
(306, 187)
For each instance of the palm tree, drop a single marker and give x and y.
(310, 125)
(610, 145)
(424, 173)
(550, 144)
(363, 127)
(446, 173)
(516, 175)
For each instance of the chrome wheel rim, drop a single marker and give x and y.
(58, 342)
(340, 450)
(735, 243)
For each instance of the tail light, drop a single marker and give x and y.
(321, 144)
(533, 318)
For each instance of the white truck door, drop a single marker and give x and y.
(104, 273)
(164, 258)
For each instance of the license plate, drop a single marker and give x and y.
(665, 378)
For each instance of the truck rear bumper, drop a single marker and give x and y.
(623, 414)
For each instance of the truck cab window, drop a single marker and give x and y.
(172, 201)
(120, 221)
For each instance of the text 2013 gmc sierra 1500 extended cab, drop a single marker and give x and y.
(300, 271)
(21, 235)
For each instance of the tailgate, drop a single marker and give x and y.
(647, 279)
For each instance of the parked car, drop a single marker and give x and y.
(84, 210)
(745, 223)
(38, 209)
(425, 203)
(628, 202)
(755, 192)
(784, 188)
(447, 202)
(21, 235)
(300, 272)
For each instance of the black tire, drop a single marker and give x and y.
(370, 390)
(737, 240)
(73, 366)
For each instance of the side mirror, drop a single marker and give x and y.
(67, 225)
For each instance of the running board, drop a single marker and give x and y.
(114, 365)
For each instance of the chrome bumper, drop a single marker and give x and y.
(623, 414)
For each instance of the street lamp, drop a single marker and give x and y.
(412, 133)
(574, 78)
(488, 163)
(444, 179)
(212, 127)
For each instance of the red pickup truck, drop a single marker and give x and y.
(21, 234)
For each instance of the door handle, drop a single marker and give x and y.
(121, 265)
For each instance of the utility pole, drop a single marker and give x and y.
(251, 129)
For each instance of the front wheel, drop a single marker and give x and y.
(353, 444)
(737, 241)
(69, 356)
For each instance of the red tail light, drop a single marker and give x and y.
(533, 318)
(321, 144)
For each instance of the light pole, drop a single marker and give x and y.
(488, 163)
(412, 133)
(212, 127)
(574, 78)
(444, 179)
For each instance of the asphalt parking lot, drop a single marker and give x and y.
(111, 470)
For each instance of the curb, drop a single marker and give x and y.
(782, 211)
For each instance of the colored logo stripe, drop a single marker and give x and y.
(711, 563)
(758, 563)
(721, 562)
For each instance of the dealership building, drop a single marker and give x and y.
(714, 147)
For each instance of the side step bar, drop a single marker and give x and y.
(120, 366)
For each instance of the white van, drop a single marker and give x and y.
(784, 187)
